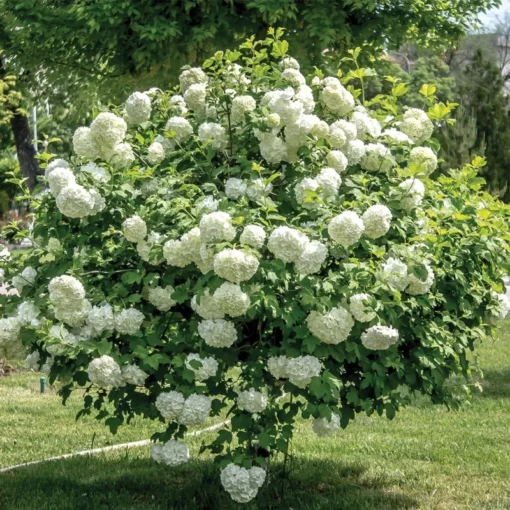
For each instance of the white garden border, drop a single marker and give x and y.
(126, 446)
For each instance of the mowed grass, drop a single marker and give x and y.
(426, 458)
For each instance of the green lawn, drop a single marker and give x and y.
(425, 458)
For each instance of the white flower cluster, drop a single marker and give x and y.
(252, 401)
(131, 374)
(100, 319)
(324, 427)
(358, 308)
(379, 337)
(188, 411)
(299, 371)
(417, 125)
(346, 229)
(134, 229)
(203, 368)
(377, 221)
(172, 453)
(28, 314)
(412, 193)
(254, 236)
(10, 329)
(217, 332)
(416, 286)
(129, 321)
(26, 277)
(331, 327)
(138, 108)
(242, 484)
(161, 298)
(424, 158)
(336, 97)
(503, 302)
(235, 265)
(105, 372)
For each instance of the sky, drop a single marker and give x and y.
(492, 16)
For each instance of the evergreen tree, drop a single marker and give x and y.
(483, 93)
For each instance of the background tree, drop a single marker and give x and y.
(483, 94)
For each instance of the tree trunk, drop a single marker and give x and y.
(26, 152)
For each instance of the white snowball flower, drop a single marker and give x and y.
(377, 158)
(55, 163)
(366, 126)
(282, 102)
(177, 103)
(293, 77)
(121, 156)
(59, 179)
(346, 228)
(417, 125)
(134, 375)
(170, 405)
(377, 221)
(394, 273)
(181, 128)
(235, 188)
(354, 151)
(304, 95)
(105, 372)
(208, 366)
(173, 453)
(2, 276)
(101, 319)
(336, 97)
(207, 204)
(138, 108)
(425, 158)
(301, 370)
(156, 153)
(84, 145)
(337, 137)
(337, 160)
(28, 314)
(235, 265)
(329, 181)
(32, 361)
(98, 173)
(257, 189)
(134, 229)
(231, 299)
(217, 332)
(174, 255)
(66, 291)
(26, 277)
(74, 317)
(10, 329)
(273, 120)
(196, 410)
(290, 63)
(331, 327)
(277, 366)
(358, 308)
(216, 227)
(99, 202)
(252, 401)
(379, 337)
(272, 148)
(75, 202)
(191, 77)
(303, 191)
(324, 427)
(413, 191)
(206, 306)
(108, 130)
(503, 308)
(312, 257)
(240, 106)
(242, 484)
(195, 96)
(161, 298)
(254, 236)
(394, 135)
(129, 321)
(416, 286)
(287, 243)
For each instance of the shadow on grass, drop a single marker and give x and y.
(102, 483)
(496, 383)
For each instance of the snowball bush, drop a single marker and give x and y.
(280, 239)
